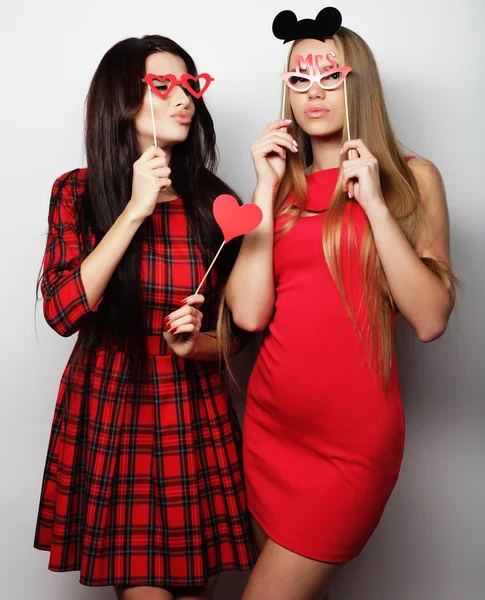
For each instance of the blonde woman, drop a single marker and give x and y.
(345, 244)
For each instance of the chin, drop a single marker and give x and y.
(320, 129)
(172, 140)
(177, 134)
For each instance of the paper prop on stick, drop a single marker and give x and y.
(286, 26)
(162, 85)
(234, 220)
(329, 78)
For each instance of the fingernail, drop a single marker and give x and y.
(288, 121)
(167, 327)
(295, 143)
(167, 319)
(183, 301)
(174, 331)
(349, 194)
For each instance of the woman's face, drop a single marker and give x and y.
(317, 111)
(174, 114)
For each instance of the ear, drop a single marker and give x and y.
(284, 25)
(328, 21)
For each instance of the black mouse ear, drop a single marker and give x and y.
(329, 21)
(284, 25)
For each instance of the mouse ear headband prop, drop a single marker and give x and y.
(288, 28)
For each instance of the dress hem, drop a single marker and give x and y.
(134, 582)
(327, 557)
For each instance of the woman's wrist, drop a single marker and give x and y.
(132, 215)
(377, 211)
(265, 190)
(205, 348)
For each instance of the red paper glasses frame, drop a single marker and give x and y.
(184, 80)
(307, 80)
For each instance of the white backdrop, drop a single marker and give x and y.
(430, 544)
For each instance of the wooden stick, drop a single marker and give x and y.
(349, 153)
(153, 117)
(285, 88)
(209, 269)
(283, 101)
(347, 115)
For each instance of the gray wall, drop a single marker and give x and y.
(430, 544)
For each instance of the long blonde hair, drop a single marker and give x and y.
(369, 121)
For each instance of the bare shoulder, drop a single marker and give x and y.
(433, 241)
(429, 180)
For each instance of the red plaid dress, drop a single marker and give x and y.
(142, 485)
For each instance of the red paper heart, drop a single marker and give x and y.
(162, 79)
(233, 219)
(186, 77)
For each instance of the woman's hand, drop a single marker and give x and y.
(361, 176)
(150, 177)
(182, 327)
(269, 154)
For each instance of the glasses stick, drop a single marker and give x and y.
(285, 90)
(153, 116)
(347, 114)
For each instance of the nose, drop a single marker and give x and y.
(316, 92)
(179, 97)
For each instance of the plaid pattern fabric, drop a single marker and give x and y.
(143, 484)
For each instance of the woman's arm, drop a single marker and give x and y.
(72, 287)
(98, 268)
(150, 175)
(420, 295)
(250, 288)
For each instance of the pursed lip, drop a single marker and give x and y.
(315, 112)
(183, 117)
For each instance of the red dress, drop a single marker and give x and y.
(322, 443)
(142, 486)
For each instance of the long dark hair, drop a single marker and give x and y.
(115, 97)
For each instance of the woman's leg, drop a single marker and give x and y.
(203, 593)
(260, 536)
(281, 574)
(175, 593)
(142, 593)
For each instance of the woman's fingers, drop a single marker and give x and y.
(350, 189)
(156, 163)
(265, 146)
(185, 329)
(357, 149)
(163, 172)
(175, 325)
(189, 311)
(152, 152)
(186, 311)
(279, 137)
(193, 300)
(276, 125)
(360, 166)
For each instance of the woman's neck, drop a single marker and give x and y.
(326, 152)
